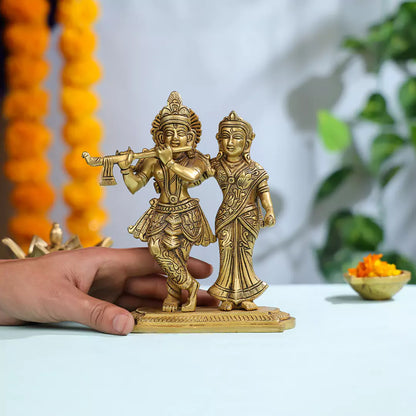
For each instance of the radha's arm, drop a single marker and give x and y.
(266, 201)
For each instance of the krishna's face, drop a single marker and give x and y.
(177, 135)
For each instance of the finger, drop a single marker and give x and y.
(6, 319)
(97, 314)
(126, 262)
(205, 299)
(139, 262)
(155, 287)
(131, 302)
(199, 269)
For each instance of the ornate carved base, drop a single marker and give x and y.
(205, 319)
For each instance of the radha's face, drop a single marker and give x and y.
(176, 135)
(232, 141)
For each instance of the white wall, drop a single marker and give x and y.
(274, 62)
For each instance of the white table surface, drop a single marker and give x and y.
(346, 357)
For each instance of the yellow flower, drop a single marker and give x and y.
(25, 71)
(32, 170)
(31, 40)
(372, 266)
(77, 43)
(25, 139)
(76, 166)
(26, 104)
(33, 198)
(80, 195)
(81, 73)
(78, 103)
(86, 131)
(85, 223)
(25, 10)
(77, 13)
(24, 226)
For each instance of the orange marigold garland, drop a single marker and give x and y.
(26, 37)
(82, 131)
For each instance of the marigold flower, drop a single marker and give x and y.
(91, 239)
(25, 139)
(372, 266)
(81, 74)
(83, 223)
(24, 71)
(26, 104)
(82, 194)
(77, 43)
(77, 13)
(25, 10)
(25, 39)
(33, 170)
(78, 103)
(77, 167)
(34, 198)
(24, 226)
(86, 131)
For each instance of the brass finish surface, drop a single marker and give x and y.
(212, 320)
(239, 218)
(39, 247)
(378, 288)
(108, 162)
(174, 222)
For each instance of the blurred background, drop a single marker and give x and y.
(329, 98)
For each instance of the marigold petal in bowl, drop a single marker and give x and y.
(376, 287)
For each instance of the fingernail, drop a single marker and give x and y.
(120, 324)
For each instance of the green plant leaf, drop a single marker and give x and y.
(375, 110)
(349, 238)
(389, 175)
(363, 233)
(357, 232)
(383, 147)
(380, 32)
(334, 267)
(354, 44)
(402, 263)
(332, 182)
(407, 97)
(413, 135)
(335, 133)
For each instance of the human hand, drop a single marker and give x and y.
(269, 219)
(85, 286)
(125, 163)
(164, 153)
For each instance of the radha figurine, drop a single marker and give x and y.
(239, 218)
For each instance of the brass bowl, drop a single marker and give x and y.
(378, 288)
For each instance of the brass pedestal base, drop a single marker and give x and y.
(206, 319)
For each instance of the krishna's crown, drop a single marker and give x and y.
(176, 112)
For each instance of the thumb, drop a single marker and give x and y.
(100, 315)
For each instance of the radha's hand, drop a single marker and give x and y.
(164, 153)
(91, 286)
(269, 219)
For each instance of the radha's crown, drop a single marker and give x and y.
(234, 120)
